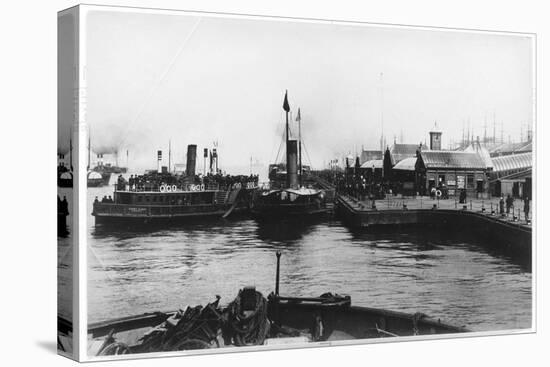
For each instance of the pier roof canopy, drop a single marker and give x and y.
(513, 162)
(399, 152)
(407, 164)
(368, 155)
(510, 148)
(376, 163)
(483, 152)
(447, 159)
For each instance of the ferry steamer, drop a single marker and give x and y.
(172, 203)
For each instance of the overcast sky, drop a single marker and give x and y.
(155, 77)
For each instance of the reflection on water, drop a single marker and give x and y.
(447, 276)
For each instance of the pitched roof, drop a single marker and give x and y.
(452, 159)
(526, 148)
(367, 155)
(509, 148)
(407, 164)
(513, 162)
(377, 163)
(399, 152)
(483, 152)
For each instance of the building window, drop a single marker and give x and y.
(470, 181)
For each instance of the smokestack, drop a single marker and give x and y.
(205, 158)
(159, 160)
(191, 159)
(292, 167)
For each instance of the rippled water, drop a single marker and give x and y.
(452, 277)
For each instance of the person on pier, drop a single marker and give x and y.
(462, 197)
(509, 203)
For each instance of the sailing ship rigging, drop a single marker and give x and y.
(291, 198)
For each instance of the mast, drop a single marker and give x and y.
(169, 156)
(494, 127)
(286, 107)
(89, 151)
(382, 112)
(299, 119)
(71, 154)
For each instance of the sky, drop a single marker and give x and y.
(198, 79)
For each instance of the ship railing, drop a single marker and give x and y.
(168, 187)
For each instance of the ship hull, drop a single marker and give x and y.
(92, 182)
(65, 182)
(129, 215)
(281, 212)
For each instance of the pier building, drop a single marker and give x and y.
(454, 170)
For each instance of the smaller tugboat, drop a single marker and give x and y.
(252, 320)
(291, 199)
(161, 197)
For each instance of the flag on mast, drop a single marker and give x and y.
(286, 106)
(298, 116)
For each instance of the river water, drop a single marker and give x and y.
(448, 276)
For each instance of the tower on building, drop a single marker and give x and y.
(435, 138)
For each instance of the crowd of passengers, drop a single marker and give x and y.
(153, 182)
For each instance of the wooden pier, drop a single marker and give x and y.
(510, 232)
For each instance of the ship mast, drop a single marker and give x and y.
(89, 151)
(71, 154)
(286, 107)
(299, 119)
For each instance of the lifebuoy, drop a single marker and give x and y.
(438, 193)
(162, 188)
(202, 187)
(174, 187)
(168, 188)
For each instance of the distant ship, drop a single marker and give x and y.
(289, 199)
(64, 173)
(64, 177)
(100, 175)
(163, 197)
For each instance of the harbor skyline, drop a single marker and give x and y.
(139, 100)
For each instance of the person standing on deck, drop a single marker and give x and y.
(501, 204)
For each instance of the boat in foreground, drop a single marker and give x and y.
(253, 320)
